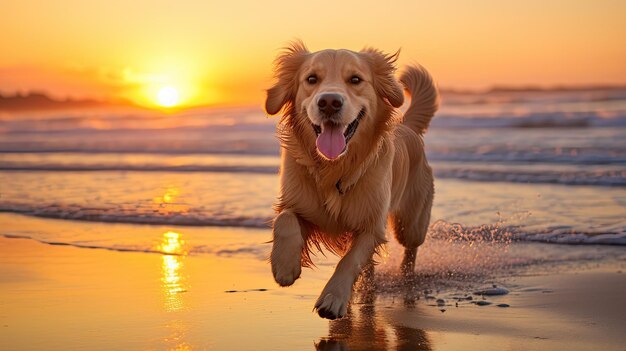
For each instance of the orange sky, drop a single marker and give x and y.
(220, 52)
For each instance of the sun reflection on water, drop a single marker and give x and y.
(175, 341)
(171, 243)
(170, 202)
(174, 284)
(172, 279)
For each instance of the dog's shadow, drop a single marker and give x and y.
(366, 329)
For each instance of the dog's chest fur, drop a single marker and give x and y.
(336, 201)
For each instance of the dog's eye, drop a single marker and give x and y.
(355, 80)
(312, 79)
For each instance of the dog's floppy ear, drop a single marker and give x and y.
(383, 68)
(287, 65)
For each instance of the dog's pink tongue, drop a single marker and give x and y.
(331, 141)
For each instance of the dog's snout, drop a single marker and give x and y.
(330, 103)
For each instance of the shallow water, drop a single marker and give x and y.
(575, 214)
(531, 166)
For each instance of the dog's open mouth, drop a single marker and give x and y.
(332, 138)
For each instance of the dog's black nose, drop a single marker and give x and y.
(330, 103)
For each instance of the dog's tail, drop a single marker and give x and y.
(424, 98)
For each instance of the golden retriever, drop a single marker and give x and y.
(350, 163)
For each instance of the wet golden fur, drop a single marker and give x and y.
(344, 204)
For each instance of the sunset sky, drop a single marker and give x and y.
(221, 52)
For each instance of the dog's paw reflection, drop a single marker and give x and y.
(331, 345)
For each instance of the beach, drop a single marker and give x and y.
(58, 297)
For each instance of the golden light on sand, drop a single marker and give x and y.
(168, 96)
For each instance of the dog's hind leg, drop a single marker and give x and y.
(408, 261)
(410, 231)
(287, 248)
(368, 273)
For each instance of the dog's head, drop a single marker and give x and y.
(335, 96)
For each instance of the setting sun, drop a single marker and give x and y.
(168, 97)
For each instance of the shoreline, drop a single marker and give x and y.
(60, 297)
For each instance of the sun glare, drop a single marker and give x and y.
(168, 97)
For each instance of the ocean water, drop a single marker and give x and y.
(511, 167)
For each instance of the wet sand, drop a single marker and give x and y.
(58, 297)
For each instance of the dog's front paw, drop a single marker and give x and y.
(286, 249)
(286, 269)
(332, 306)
